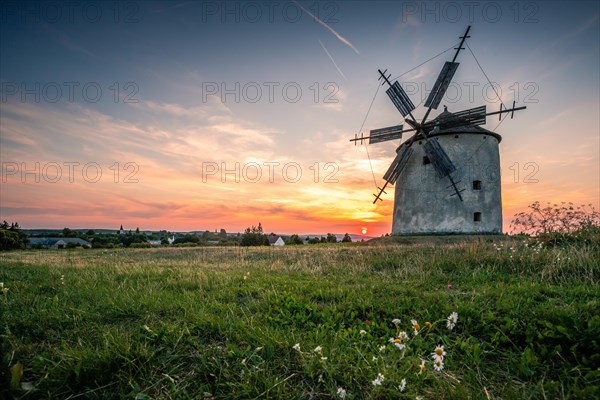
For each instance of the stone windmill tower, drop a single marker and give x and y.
(447, 174)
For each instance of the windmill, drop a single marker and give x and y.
(413, 213)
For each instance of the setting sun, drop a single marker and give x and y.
(364, 231)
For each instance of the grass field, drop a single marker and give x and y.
(303, 322)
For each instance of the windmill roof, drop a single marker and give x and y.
(472, 129)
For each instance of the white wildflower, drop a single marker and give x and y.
(382, 347)
(402, 385)
(396, 321)
(296, 347)
(318, 350)
(422, 367)
(379, 380)
(397, 342)
(452, 320)
(362, 332)
(341, 393)
(439, 352)
(416, 327)
(438, 364)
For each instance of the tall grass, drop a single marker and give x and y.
(222, 322)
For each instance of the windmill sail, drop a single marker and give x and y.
(400, 99)
(398, 164)
(438, 157)
(385, 134)
(441, 85)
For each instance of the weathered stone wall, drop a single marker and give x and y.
(424, 203)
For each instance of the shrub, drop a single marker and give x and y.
(561, 224)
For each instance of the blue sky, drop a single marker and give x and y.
(166, 55)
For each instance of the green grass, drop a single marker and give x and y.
(222, 322)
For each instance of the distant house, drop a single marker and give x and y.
(155, 242)
(57, 243)
(276, 241)
(171, 239)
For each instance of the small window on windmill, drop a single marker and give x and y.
(477, 217)
(426, 160)
(476, 185)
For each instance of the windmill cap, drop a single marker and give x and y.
(469, 129)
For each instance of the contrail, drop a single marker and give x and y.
(332, 60)
(340, 37)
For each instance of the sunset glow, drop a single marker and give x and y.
(184, 120)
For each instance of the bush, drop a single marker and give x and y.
(142, 245)
(294, 239)
(562, 224)
(9, 240)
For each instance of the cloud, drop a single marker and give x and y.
(332, 60)
(337, 35)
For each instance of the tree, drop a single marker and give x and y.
(254, 237)
(9, 240)
(294, 239)
(223, 234)
(347, 238)
(90, 232)
(11, 236)
(331, 238)
(137, 230)
(66, 232)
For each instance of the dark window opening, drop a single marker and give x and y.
(426, 160)
(477, 217)
(476, 185)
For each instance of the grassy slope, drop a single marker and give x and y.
(221, 322)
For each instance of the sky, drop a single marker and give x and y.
(188, 115)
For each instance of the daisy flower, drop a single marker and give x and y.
(422, 367)
(438, 364)
(439, 352)
(362, 332)
(402, 385)
(452, 320)
(296, 347)
(416, 327)
(398, 343)
(396, 321)
(379, 380)
(341, 393)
